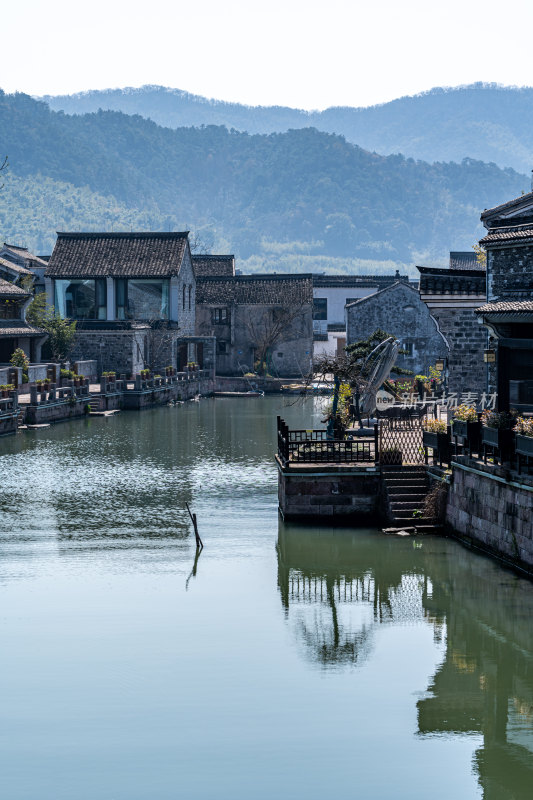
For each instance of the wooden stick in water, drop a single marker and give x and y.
(199, 543)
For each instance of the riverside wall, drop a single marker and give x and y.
(329, 491)
(491, 508)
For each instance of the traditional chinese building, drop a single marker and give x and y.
(452, 295)
(15, 332)
(256, 316)
(399, 311)
(508, 313)
(133, 296)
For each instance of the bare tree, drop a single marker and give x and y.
(159, 339)
(201, 244)
(268, 327)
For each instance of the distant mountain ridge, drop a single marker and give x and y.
(289, 200)
(486, 122)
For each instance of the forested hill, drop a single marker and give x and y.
(278, 200)
(482, 121)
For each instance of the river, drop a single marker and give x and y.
(287, 661)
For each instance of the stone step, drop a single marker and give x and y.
(400, 505)
(407, 498)
(396, 484)
(406, 515)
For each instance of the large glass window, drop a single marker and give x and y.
(320, 308)
(81, 299)
(142, 298)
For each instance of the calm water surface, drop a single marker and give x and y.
(286, 662)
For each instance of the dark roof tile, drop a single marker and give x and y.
(256, 290)
(100, 255)
(8, 290)
(213, 265)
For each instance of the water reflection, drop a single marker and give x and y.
(337, 587)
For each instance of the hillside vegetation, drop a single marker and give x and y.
(483, 121)
(281, 196)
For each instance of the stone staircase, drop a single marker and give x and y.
(405, 491)
(94, 403)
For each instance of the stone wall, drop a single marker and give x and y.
(121, 351)
(186, 301)
(330, 491)
(467, 340)
(290, 355)
(510, 273)
(398, 310)
(489, 510)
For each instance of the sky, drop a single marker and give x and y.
(283, 52)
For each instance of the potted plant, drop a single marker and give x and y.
(3, 389)
(466, 425)
(524, 436)
(436, 434)
(496, 430)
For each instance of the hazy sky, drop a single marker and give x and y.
(300, 53)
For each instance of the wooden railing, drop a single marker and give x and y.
(313, 446)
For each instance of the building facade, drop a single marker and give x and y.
(331, 293)
(452, 296)
(256, 318)
(15, 332)
(399, 311)
(133, 296)
(508, 313)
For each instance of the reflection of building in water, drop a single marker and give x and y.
(485, 683)
(337, 587)
(334, 593)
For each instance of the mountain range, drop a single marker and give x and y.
(486, 122)
(300, 199)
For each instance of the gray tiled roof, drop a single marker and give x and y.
(256, 290)
(357, 281)
(213, 265)
(524, 306)
(23, 252)
(15, 327)
(463, 260)
(4, 262)
(516, 202)
(522, 233)
(8, 290)
(100, 255)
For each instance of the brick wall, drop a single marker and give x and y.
(510, 273)
(487, 510)
(400, 312)
(467, 340)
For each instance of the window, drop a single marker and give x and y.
(279, 355)
(81, 299)
(408, 347)
(142, 298)
(222, 347)
(320, 308)
(220, 316)
(184, 292)
(190, 293)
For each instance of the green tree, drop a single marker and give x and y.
(36, 313)
(61, 334)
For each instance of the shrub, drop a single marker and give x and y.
(465, 413)
(435, 426)
(524, 426)
(498, 419)
(20, 359)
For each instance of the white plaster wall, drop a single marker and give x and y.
(337, 298)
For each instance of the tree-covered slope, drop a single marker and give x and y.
(483, 121)
(305, 190)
